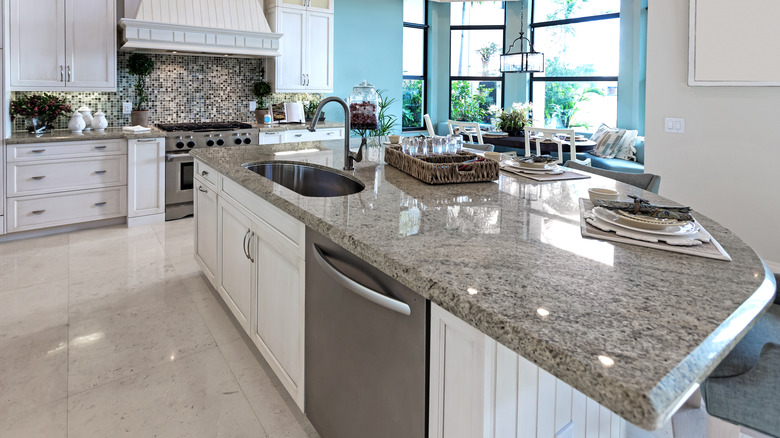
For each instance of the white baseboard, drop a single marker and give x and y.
(61, 229)
(146, 220)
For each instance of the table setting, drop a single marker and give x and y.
(538, 168)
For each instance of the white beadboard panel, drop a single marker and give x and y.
(563, 399)
(579, 406)
(545, 426)
(605, 423)
(241, 15)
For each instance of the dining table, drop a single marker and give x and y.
(504, 139)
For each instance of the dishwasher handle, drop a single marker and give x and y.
(359, 289)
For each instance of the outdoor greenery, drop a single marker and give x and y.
(412, 94)
(468, 106)
(562, 98)
(140, 66)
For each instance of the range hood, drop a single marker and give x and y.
(200, 27)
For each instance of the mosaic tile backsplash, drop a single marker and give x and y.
(181, 89)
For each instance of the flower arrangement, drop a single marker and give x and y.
(513, 120)
(39, 110)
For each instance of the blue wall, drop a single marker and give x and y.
(368, 44)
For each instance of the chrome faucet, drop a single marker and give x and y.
(349, 157)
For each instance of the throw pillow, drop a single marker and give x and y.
(607, 144)
(627, 150)
(599, 132)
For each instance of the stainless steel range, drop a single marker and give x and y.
(179, 139)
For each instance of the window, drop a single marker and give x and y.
(476, 43)
(415, 63)
(580, 42)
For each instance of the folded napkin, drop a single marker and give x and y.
(136, 129)
(536, 159)
(643, 207)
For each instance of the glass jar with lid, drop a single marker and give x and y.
(364, 106)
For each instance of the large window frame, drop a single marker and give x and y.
(534, 78)
(500, 79)
(424, 78)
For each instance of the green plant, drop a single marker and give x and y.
(140, 66)
(310, 105)
(468, 106)
(261, 90)
(562, 98)
(412, 103)
(46, 107)
(386, 121)
(485, 53)
(515, 119)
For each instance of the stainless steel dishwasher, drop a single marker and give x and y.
(366, 348)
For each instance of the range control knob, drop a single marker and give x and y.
(220, 142)
(237, 141)
(190, 144)
(179, 145)
(210, 143)
(247, 140)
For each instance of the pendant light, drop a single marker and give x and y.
(522, 62)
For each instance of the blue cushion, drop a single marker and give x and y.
(616, 164)
(745, 355)
(640, 149)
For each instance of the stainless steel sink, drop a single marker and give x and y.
(307, 180)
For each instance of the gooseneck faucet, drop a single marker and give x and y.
(349, 157)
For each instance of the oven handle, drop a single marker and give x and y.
(180, 157)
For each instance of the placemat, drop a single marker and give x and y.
(711, 249)
(566, 175)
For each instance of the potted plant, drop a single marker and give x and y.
(141, 66)
(514, 120)
(310, 107)
(39, 111)
(261, 90)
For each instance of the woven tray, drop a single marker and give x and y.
(442, 169)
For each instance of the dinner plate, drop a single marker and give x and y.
(535, 166)
(680, 228)
(648, 222)
(520, 170)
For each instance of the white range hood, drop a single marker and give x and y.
(201, 27)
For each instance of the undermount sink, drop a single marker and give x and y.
(308, 180)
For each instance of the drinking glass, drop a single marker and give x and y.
(439, 145)
(454, 143)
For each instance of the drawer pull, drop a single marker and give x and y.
(202, 189)
(147, 140)
(38, 151)
(204, 173)
(331, 133)
(100, 204)
(271, 133)
(38, 178)
(299, 135)
(100, 172)
(100, 147)
(38, 211)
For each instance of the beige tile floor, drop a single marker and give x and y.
(113, 332)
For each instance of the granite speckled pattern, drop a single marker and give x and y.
(58, 135)
(508, 258)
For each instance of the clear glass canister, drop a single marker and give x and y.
(364, 106)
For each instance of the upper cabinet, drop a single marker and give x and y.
(69, 44)
(312, 5)
(306, 47)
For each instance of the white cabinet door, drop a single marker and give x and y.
(312, 5)
(234, 262)
(206, 229)
(278, 321)
(319, 43)
(291, 66)
(146, 177)
(37, 52)
(90, 45)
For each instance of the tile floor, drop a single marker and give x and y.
(113, 332)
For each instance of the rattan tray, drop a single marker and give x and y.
(442, 169)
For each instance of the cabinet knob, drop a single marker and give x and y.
(204, 173)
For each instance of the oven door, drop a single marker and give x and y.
(179, 171)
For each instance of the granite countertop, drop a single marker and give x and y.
(23, 137)
(496, 254)
(294, 126)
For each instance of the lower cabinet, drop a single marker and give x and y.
(146, 179)
(479, 388)
(236, 265)
(205, 201)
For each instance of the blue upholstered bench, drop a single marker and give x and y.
(618, 165)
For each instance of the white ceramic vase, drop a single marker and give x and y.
(87, 114)
(76, 123)
(100, 123)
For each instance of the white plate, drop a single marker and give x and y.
(680, 229)
(521, 171)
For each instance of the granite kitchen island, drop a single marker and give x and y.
(635, 329)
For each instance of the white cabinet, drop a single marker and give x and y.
(68, 44)
(479, 388)
(236, 263)
(146, 180)
(301, 135)
(205, 207)
(311, 5)
(306, 61)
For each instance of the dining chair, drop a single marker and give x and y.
(468, 128)
(745, 387)
(548, 135)
(429, 125)
(645, 181)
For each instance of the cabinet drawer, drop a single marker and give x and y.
(68, 149)
(271, 137)
(206, 174)
(34, 177)
(299, 135)
(32, 212)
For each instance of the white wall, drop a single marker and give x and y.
(724, 165)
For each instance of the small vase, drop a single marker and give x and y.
(87, 114)
(34, 125)
(99, 122)
(139, 118)
(76, 124)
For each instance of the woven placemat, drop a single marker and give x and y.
(711, 249)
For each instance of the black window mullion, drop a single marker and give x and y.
(424, 78)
